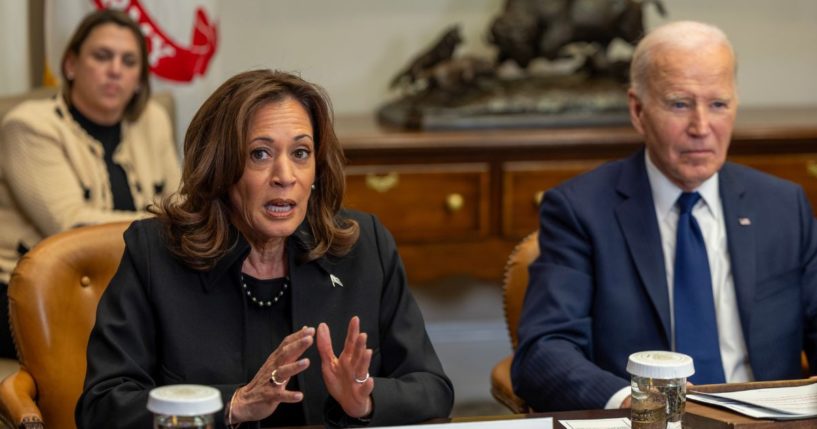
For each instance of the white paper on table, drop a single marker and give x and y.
(781, 403)
(523, 423)
(619, 423)
(740, 407)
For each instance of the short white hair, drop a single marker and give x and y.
(684, 35)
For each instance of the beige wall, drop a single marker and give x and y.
(776, 43)
(353, 47)
(14, 65)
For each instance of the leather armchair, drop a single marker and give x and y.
(165, 99)
(53, 294)
(514, 285)
(8, 366)
(8, 102)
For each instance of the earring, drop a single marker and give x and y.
(313, 187)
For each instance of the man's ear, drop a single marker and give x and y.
(636, 109)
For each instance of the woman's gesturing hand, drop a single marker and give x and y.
(261, 396)
(347, 376)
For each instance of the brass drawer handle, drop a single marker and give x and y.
(537, 198)
(811, 169)
(454, 202)
(382, 183)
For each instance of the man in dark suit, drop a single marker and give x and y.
(728, 274)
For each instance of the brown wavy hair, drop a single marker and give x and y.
(137, 103)
(197, 219)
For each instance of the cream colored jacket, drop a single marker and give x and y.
(53, 175)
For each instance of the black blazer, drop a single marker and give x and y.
(160, 322)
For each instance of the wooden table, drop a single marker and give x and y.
(562, 415)
(697, 416)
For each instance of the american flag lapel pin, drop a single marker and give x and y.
(744, 221)
(335, 280)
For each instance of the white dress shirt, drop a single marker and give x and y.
(708, 212)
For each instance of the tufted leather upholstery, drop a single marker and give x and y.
(165, 99)
(514, 285)
(53, 294)
(8, 366)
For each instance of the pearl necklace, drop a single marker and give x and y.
(260, 302)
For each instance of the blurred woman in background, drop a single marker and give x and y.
(98, 151)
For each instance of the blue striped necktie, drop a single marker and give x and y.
(696, 328)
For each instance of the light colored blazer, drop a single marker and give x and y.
(53, 175)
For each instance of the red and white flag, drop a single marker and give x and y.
(182, 38)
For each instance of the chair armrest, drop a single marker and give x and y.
(17, 398)
(502, 389)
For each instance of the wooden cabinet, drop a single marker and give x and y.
(801, 169)
(457, 202)
(523, 185)
(424, 203)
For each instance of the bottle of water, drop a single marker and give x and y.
(658, 382)
(188, 406)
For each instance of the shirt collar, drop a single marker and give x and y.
(665, 193)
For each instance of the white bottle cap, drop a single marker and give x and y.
(184, 400)
(660, 364)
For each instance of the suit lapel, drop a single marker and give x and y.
(636, 217)
(307, 301)
(308, 280)
(740, 236)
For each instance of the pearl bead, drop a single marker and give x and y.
(262, 303)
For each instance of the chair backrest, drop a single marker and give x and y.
(515, 282)
(53, 295)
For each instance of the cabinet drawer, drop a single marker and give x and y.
(800, 169)
(524, 183)
(423, 203)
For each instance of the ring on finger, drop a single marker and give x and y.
(274, 378)
(362, 380)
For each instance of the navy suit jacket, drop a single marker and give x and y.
(598, 291)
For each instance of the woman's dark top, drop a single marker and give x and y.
(271, 324)
(110, 136)
(160, 322)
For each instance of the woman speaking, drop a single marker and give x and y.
(255, 281)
